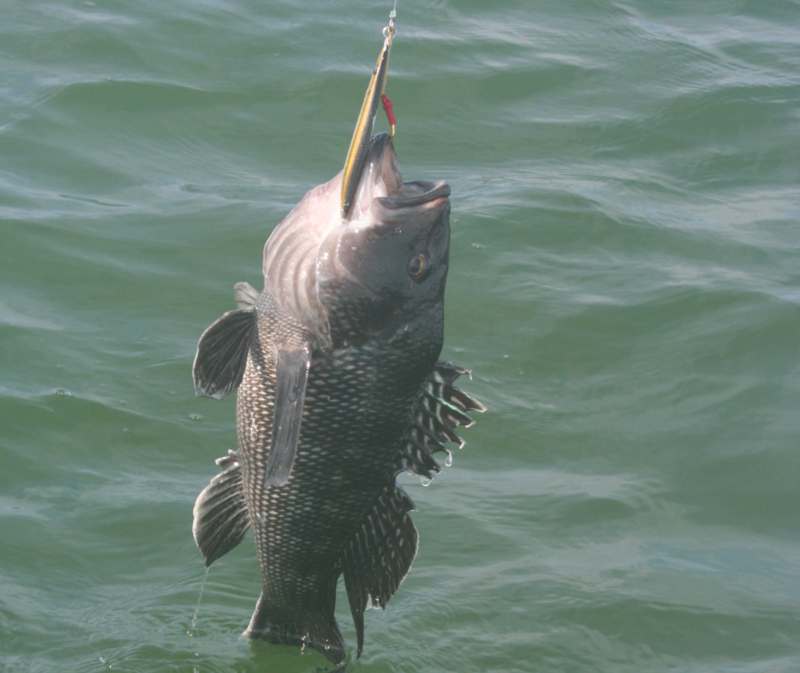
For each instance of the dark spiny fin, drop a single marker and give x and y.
(416, 457)
(439, 411)
(293, 625)
(455, 397)
(290, 394)
(450, 415)
(379, 557)
(444, 374)
(220, 513)
(222, 353)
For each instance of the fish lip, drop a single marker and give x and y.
(439, 192)
(381, 187)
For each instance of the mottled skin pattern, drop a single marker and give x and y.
(359, 402)
(358, 305)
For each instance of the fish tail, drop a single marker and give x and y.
(315, 627)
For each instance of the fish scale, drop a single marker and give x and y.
(339, 390)
(292, 545)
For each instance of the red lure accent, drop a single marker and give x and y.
(387, 106)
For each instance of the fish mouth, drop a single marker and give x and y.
(419, 193)
(381, 183)
(362, 267)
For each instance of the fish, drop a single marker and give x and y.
(340, 388)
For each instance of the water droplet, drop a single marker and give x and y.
(102, 660)
(195, 417)
(425, 481)
(199, 598)
(126, 429)
(449, 460)
(505, 357)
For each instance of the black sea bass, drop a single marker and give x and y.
(339, 390)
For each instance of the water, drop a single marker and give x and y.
(624, 284)
(199, 599)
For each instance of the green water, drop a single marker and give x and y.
(625, 284)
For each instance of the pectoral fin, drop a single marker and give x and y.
(290, 394)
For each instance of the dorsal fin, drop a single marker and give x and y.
(245, 295)
(222, 353)
(220, 513)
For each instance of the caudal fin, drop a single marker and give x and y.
(315, 628)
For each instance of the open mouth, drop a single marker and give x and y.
(417, 193)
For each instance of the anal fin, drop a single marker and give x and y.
(220, 512)
(377, 559)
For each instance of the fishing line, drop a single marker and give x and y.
(362, 134)
(387, 103)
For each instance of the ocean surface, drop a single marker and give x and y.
(624, 283)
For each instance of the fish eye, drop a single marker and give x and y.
(417, 266)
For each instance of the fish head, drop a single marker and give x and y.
(384, 267)
(380, 269)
